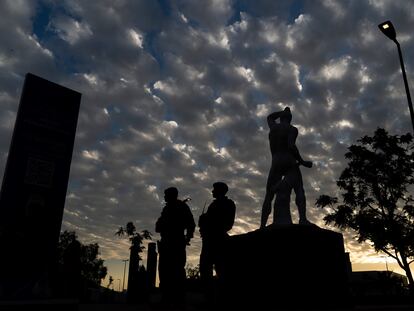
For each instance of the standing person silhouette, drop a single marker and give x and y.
(284, 173)
(176, 226)
(214, 225)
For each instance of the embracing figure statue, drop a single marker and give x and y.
(285, 173)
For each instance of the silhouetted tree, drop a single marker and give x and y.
(92, 269)
(375, 201)
(136, 239)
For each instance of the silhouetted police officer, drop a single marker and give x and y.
(176, 226)
(214, 225)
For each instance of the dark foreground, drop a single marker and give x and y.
(128, 307)
(196, 301)
(193, 304)
(143, 308)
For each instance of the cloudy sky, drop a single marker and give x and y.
(177, 93)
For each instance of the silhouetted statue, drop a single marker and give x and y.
(176, 226)
(214, 225)
(284, 173)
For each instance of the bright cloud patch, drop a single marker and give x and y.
(135, 38)
(336, 69)
(91, 78)
(93, 154)
(71, 30)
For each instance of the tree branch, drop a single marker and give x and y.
(390, 254)
(398, 260)
(373, 209)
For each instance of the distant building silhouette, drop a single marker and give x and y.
(152, 264)
(378, 283)
(133, 274)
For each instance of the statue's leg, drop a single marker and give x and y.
(300, 197)
(266, 208)
(281, 214)
(272, 182)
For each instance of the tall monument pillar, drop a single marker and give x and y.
(34, 187)
(152, 264)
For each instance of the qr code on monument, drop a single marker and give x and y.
(39, 172)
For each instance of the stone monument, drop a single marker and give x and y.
(284, 264)
(34, 187)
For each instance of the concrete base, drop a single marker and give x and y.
(286, 265)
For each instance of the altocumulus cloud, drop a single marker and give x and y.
(177, 92)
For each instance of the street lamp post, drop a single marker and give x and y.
(123, 281)
(388, 29)
(386, 263)
(119, 284)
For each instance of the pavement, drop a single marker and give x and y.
(125, 307)
(193, 303)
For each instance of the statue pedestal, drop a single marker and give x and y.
(288, 266)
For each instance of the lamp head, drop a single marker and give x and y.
(388, 29)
